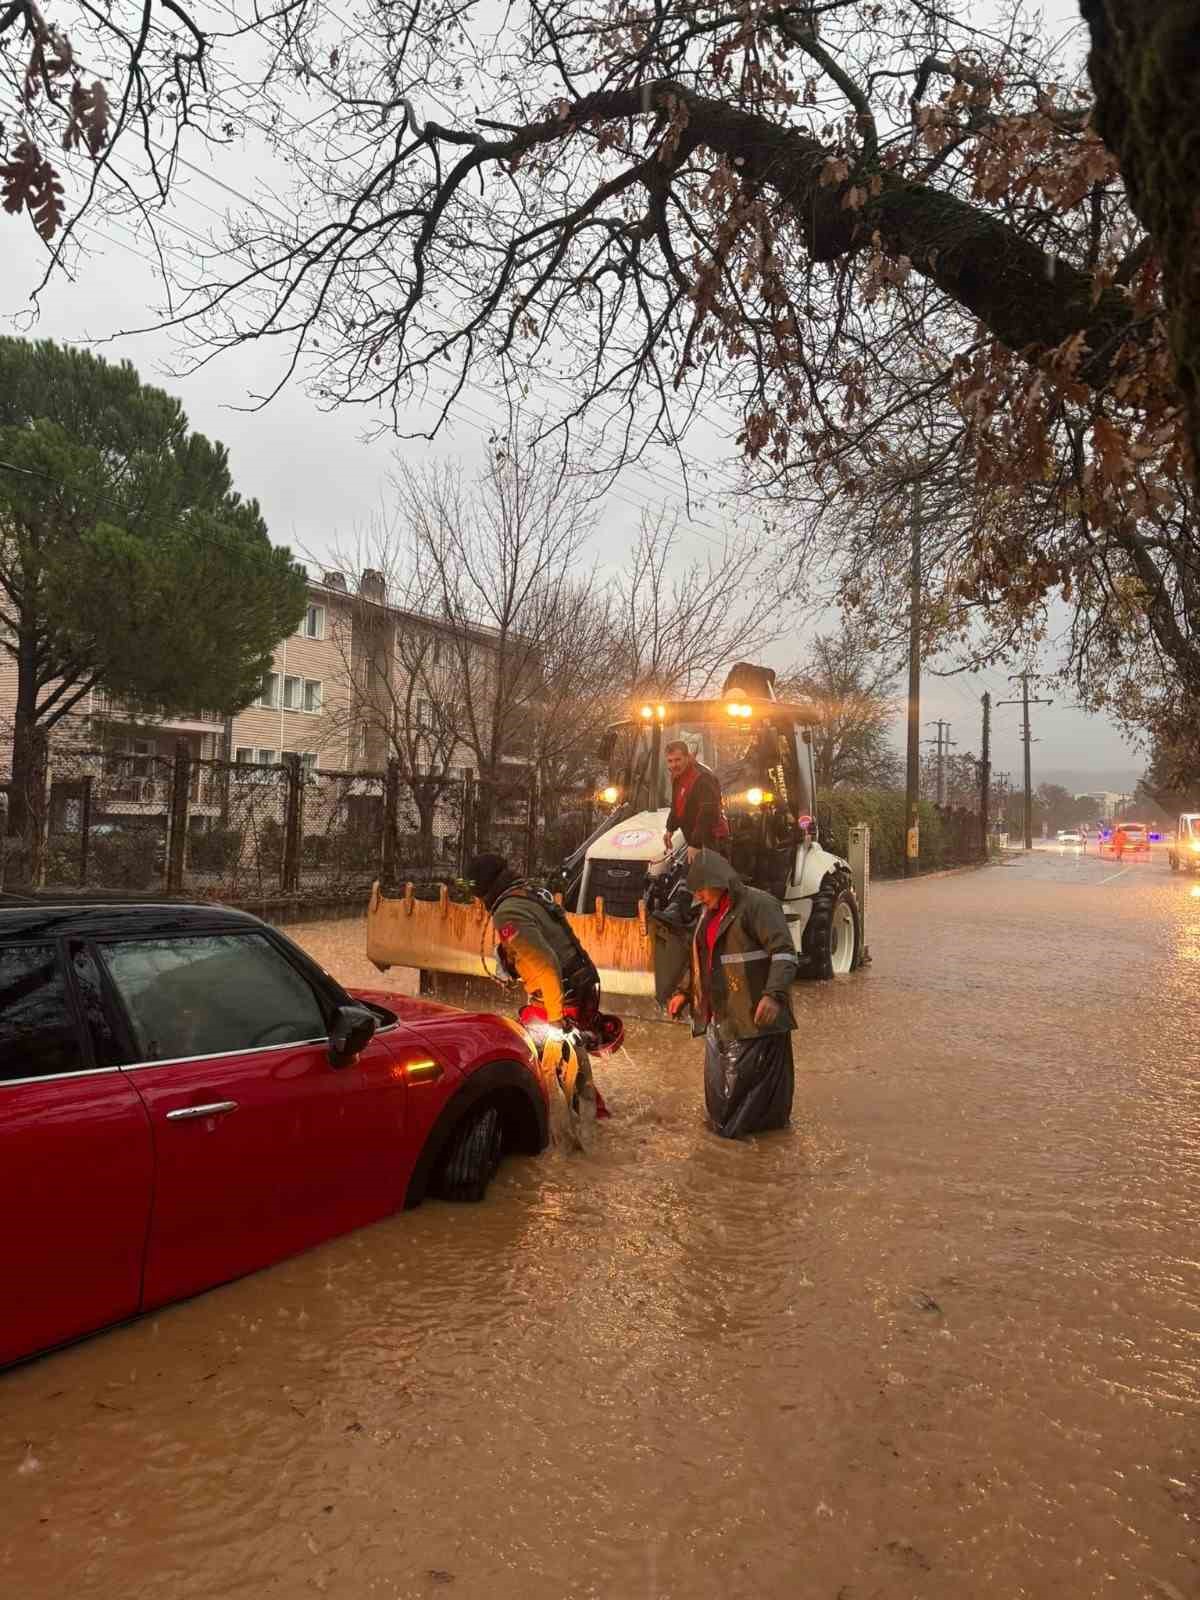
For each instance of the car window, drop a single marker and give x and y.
(208, 994)
(38, 1032)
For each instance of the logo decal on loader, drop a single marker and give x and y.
(632, 839)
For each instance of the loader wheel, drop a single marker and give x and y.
(472, 1156)
(833, 937)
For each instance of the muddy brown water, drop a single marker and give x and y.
(940, 1339)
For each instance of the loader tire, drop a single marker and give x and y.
(832, 942)
(472, 1156)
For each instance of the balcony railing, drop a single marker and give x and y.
(104, 705)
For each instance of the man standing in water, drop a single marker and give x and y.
(537, 947)
(696, 803)
(743, 962)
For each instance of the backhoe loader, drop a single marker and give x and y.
(625, 892)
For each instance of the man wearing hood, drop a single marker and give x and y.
(743, 963)
(537, 947)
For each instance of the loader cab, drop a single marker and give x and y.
(761, 752)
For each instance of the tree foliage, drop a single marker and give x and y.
(878, 239)
(127, 560)
(882, 237)
(853, 684)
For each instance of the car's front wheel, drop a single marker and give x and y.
(472, 1155)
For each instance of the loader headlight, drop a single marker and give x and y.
(611, 795)
(759, 797)
(647, 713)
(736, 709)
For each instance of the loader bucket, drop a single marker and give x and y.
(446, 936)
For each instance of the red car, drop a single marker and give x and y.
(185, 1096)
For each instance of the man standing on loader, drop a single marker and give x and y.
(743, 963)
(696, 803)
(537, 948)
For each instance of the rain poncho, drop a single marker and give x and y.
(748, 1083)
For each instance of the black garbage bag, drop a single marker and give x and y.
(748, 1083)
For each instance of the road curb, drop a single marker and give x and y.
(940, 872)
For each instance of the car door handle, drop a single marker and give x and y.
(217, 1108)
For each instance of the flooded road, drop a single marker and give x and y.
(942, 1339)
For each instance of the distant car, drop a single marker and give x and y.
(185, 1096)
(1184, 854)
(1069, 836)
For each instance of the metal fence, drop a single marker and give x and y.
(238, 832)
(214, 829)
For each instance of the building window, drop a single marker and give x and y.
(312, 695)
(313, 625)
(308, 763)
(265, 758)
(268, 698)
(243, 755)
(293, 693)
(141, 750)
(424, 714)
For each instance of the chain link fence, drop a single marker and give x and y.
(105, 820)
(237, 832)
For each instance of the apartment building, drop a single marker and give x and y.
(337, 689)
(306, 704)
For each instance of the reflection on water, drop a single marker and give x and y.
(941, 1338)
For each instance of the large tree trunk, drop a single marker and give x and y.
(1145, 69)
(425, 800)
(27, 791)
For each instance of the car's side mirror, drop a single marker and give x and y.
(350, 1033)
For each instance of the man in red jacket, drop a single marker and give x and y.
(696, 804)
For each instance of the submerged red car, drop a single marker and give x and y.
(185, 1096)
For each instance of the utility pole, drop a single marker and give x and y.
(1025, 702)
(985, 771)
(912, 786)
(943, 742)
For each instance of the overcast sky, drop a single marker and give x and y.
(317, 477)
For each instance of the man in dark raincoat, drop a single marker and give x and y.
(743, 963)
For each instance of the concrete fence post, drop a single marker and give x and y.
(293, 827)
(859, 853)
(85, 827)
(391, 821)
(181, 786)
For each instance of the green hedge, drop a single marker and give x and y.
(883, 811)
